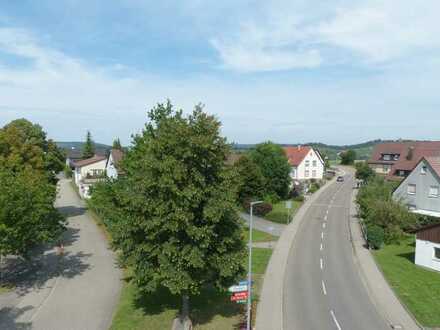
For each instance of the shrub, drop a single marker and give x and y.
(314, 187)
(375, 236)
(258, 209)
(272, 198)
(299, 198)
(68, 172)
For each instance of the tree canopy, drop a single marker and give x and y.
(28, 165)
(173, 214)
(348, 157)
(251, 184)
(89, 147)
(364, 171)
(274, 167)
(117, 144)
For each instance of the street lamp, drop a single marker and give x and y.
(250, 266)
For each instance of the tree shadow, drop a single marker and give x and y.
(203, 308)
(409, 256)
(28, 275)
(72, 211)
(9, 316)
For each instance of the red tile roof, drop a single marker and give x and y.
(406, 161)
(89, 161)
(296, 155)
(117, 156)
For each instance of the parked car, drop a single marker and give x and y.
(340, 179)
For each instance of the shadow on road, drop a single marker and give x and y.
(9, 316)
(72, 211)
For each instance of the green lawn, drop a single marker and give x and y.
(4, 289)
(258, 236)
(279, 212)
(212, 310)
(418, 288)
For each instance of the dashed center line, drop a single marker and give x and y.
(322, 235)
(335, 320)
(324, 289)
(321, 248)
(323, 225)
(321, 262)
(325, 218)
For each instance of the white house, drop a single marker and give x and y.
(87, 172)
(113, 169)
(428, 247)
(306, 163)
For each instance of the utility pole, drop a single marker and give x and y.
(249, 304)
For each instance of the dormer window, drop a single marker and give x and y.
(396, 157)
(387, 157)
(424, 169)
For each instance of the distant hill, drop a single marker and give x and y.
(101, 149)
(363, 150)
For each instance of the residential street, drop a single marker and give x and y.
(77, 291)
(323, 288)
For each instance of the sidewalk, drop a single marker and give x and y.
(273, 228)
(378, 289)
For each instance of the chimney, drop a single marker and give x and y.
(410, 153)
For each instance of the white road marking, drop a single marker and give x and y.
(325, 218)
(324, 289)
(321, 263)
(322, 235)
(335, 320)
(326, 213)
(321, 248)
(323, 225)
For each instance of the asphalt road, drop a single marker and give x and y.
(323, 287)
(77, 291)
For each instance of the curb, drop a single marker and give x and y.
(271, 306)
(382, 308)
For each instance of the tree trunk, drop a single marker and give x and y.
(185, 306)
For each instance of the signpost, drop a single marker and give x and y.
(288, 207)
(238, 288)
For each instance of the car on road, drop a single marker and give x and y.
(340, 179)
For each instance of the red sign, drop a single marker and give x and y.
(239, 296)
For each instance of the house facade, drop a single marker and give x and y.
(113, 168)
(306, 163)
(396, 160)
(87, 172)
(420, 190)
(428, 247)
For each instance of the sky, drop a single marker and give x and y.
(293, 71)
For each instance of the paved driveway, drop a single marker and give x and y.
(78, 291)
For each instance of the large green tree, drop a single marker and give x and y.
(251, 181)
(175, 219)
(274, 166)
(25, 145)
(117, 144)
(364, 171)
(348, 157)
(89, 147)
(27, 214)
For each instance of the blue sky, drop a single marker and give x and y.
(292, 71)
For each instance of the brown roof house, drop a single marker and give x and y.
(113, 166)
(87, 172)
(428, 247)
(396, 160)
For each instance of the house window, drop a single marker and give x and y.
(423, 170)
(437, 253)
(314, 173)
(306, 173)
(307, 163)
(412, 189)
(433, 191)
(396, 157)
(386, 168)
(314, 163)
(401, 173)
(386, 157)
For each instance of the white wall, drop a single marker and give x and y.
(111, 170)
(315, 172)
(81, 172)
(425, 254)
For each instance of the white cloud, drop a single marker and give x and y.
(292, 35)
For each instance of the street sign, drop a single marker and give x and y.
(241, 301)
(238, 288)
(238, 298)
(243, 283)
(288, 204)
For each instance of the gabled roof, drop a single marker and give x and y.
(296, 155)
(89, 161)
(435, 164)
(117, 156)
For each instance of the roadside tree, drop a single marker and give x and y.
(177, 224)
(364, 172)
(117, 144)
(274, 167)
(348, 157)
(251, 181)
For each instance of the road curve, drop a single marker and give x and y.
(77, 291)
(322, 285)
